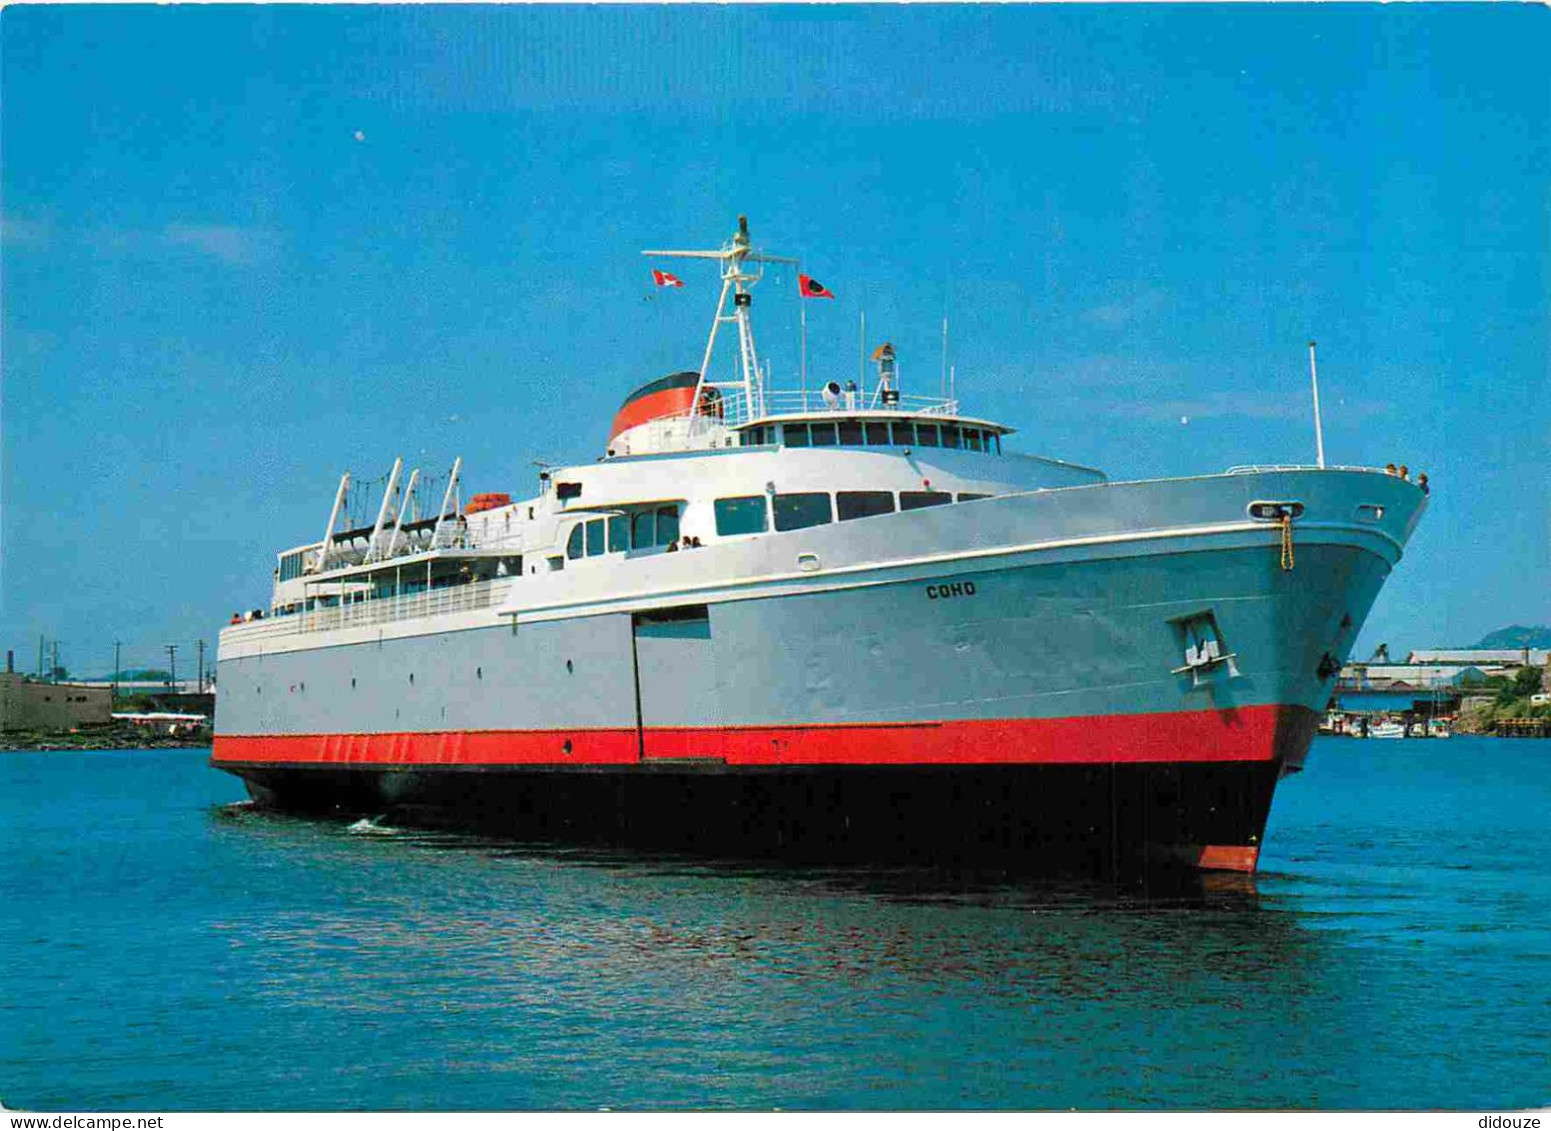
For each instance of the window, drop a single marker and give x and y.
(915, 500)
(997, 438)
(744, 514)
(824, 434)
(878, 433)
(904, 434)
(573, 547)
(643, 529)
(619, 534)
(926, 435)
(794, 512)
(796, 435)
(667, 525)
(851, 433)
(950, 436)
(595, 538)
(291, 565)
(861, 504)
(972, 439)
(967, 496)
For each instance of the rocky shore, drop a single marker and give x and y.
(101, 738)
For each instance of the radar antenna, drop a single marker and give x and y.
(737, 277)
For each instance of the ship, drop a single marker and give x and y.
(851, 623)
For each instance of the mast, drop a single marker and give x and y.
(738, 277)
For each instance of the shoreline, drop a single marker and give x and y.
(111, 739)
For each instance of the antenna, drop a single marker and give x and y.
(1319, 432)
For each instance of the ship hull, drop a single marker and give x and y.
(1099, 819)
(1024, 692)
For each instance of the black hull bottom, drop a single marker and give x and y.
(1090, 820)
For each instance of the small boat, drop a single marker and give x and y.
(1386, 730)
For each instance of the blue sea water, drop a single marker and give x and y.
(162, 948)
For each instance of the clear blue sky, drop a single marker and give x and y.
(216, 296)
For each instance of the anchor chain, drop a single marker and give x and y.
(1287, 542)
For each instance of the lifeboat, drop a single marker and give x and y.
(487, 501)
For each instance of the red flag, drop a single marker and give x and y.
(812, 288)
(663, 279)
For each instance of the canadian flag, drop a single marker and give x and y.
(663, 279)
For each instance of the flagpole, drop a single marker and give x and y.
(1319, 431)
(802, 321)
(945, 358)
(861, 354)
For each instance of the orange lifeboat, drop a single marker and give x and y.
(489, 500)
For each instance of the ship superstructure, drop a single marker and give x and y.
(845, 623)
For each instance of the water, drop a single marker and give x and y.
(164, 949)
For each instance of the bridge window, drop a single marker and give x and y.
(573, 546)
(915, 500)
(823, 434)
(619, 534)
(926, 435)
(595, 538)
(950, 436)
(667, 525)
(862, 504)
(904, 433)
(795, 512)
(744, 514)
(643, 529)
(796, 435)
(972, 439)
(878, 433)
(851, 433)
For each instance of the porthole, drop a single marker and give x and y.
(479, 673)
(411, 677)
(352, 681)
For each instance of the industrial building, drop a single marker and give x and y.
(28, 704)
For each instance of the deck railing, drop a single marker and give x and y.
(375, 610)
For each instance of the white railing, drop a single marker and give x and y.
(735, 409)
(1256, 468)
(374, 611)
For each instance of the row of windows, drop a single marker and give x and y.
(291, 565)
(747, 514)
(635, 530)
(873, 433)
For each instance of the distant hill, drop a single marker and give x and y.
(1517, 636)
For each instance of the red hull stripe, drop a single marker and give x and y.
(668, 402)
(1246, 734)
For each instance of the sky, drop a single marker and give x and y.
(243, 249)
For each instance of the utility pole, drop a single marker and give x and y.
(172, 666)
(201, 646)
